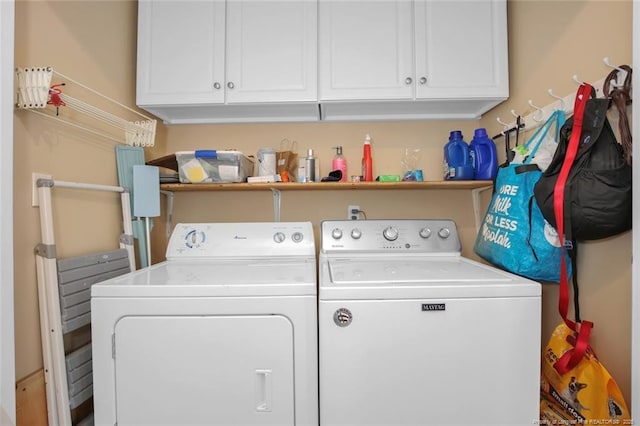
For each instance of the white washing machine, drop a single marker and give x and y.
(412, 333)
(224, 332)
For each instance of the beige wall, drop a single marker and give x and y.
(94, 42)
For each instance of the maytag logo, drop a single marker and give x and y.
(433, 307)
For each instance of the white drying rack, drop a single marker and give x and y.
(52, 325)
(35, 93)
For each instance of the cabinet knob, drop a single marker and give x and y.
(423, 80)
(408, 80)
(216, 85)
(230, 85)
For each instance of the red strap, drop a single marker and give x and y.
(572, 357)
(584, 92)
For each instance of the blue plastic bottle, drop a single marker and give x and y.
(484, 155)
(457, 161)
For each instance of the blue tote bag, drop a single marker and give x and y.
(514, 234)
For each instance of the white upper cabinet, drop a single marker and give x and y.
(197, 56)
(271, 51)
(217, 61)
(180, 52)
(449, 57)
(365, 50)
(461, 49)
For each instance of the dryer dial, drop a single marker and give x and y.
(390, 233)
(195, 238)
(279, 237)
(356, 233)
(444, 233)
(336, 233)
(425, 233)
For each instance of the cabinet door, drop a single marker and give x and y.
(180, 52)
(271, 51)
(461, 48)
(365, 50)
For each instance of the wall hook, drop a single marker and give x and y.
(576, 79)
(562, 104)
(505, 125)
(620, 72)
(539, 112)
(514, 113)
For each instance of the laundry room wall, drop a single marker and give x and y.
(94, 43)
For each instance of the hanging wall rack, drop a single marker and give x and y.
(533, 119)
(90, 110)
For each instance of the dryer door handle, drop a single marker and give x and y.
(263, 390)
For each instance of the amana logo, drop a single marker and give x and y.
(433, 307)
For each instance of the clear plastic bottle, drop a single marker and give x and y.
(340, 163)
(367, 160)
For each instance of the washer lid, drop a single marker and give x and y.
(449, 276)
(202, 278)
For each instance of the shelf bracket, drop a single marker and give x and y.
(277, 196)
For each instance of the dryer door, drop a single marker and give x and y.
(196, 370)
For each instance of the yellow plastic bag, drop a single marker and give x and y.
(586, 394)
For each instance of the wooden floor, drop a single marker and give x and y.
(31, 401)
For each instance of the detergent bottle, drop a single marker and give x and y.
(457, 160)
(340, 163)
(367, 160)
(484, 155)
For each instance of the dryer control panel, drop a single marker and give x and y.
(386, 236)
(241, 240)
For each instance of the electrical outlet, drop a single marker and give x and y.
(353, 212)
(34, 187)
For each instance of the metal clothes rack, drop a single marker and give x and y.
(64, 308)
(36, 94)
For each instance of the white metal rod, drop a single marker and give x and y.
(52, 412)
(76, 185)
(50, 274)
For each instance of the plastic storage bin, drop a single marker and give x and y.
(213, 166)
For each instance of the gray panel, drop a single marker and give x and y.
(78, 399)
(91, 259)
(77, 373)
(76, 276)
(78, 357)
(75, 323)
(78, 386)
(87, 421)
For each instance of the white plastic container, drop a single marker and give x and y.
(204, 166)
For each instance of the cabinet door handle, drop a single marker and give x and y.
(423, 80)
(230, 85)
(216, 85)
(408, 80)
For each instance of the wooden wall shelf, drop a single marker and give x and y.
(315, 186)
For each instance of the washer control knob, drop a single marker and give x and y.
(279, 237)
(425, 233)
(297, 237)
(444, 233)
(336, 233)
(390, 233)
(356, 233)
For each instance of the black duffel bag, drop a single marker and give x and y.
(597, 197)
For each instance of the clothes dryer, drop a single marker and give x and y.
(224, 332)
(413, 333)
